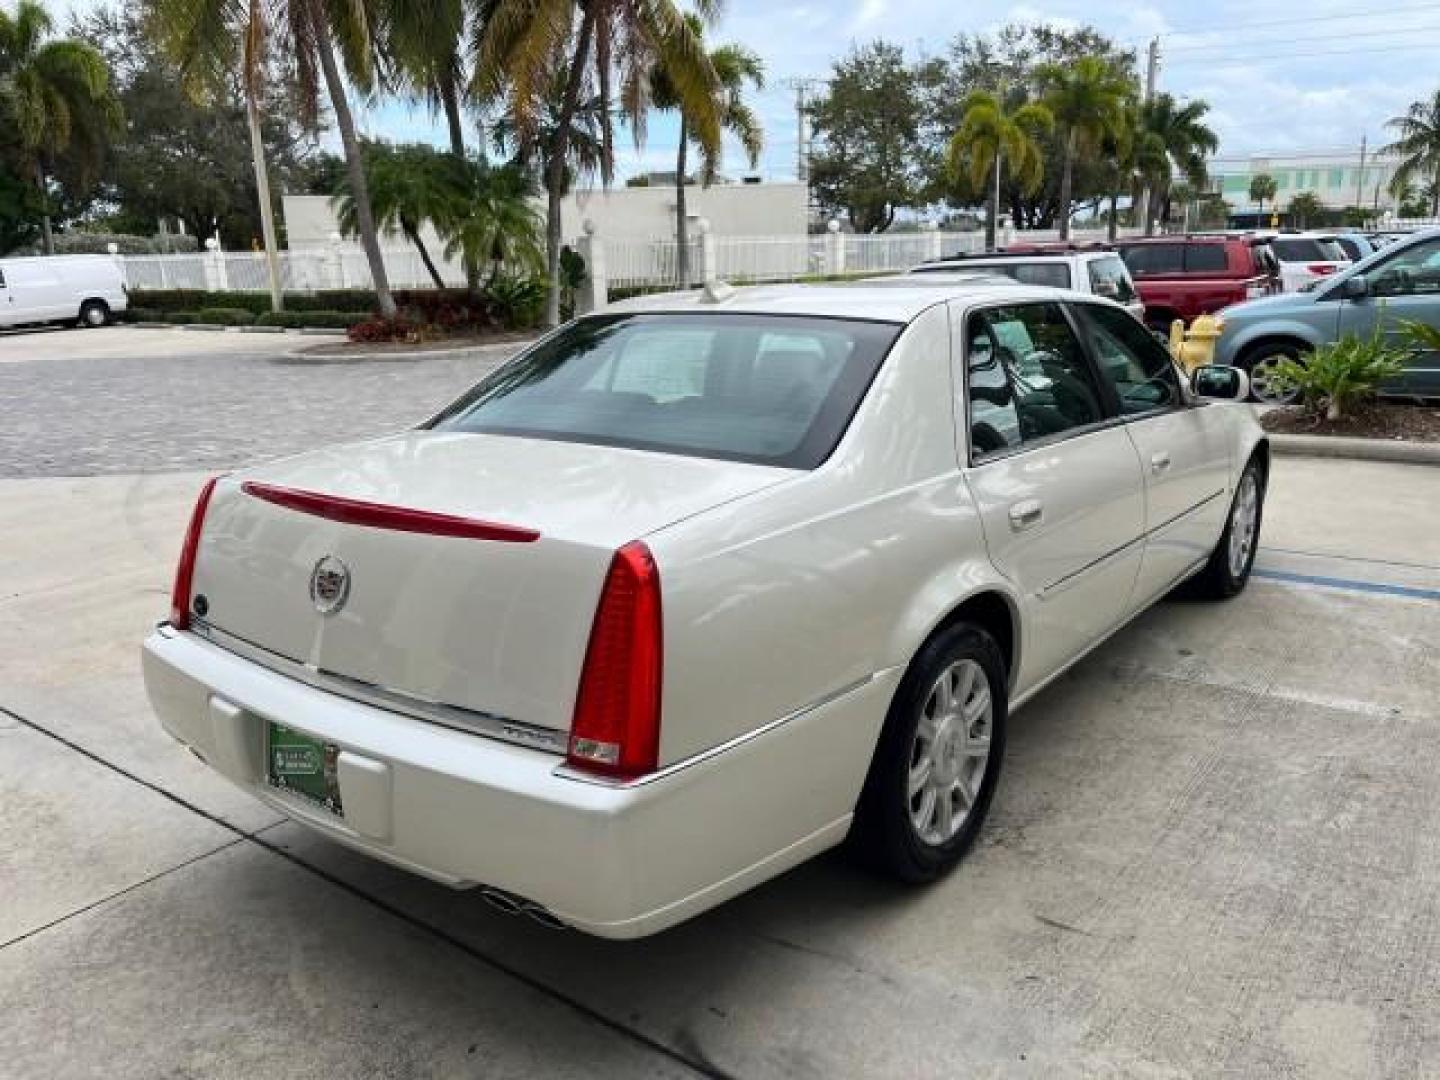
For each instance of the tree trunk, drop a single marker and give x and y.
(47, 237)
(1114, 215)
(354, 167)
(682, 226)
(1067, 185)
(414, 237)
(450, 100)
(555, 168)
(992, 208)
(1435, 197)
(267, 209)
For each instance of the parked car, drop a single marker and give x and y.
(697, 587)
(1306, 258)
(1184, 277)
(84, 290)
(1399, 282)
(1356, 245)
(1099, 272)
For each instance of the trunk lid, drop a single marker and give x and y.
(497, 627)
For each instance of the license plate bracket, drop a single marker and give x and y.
(304, 766)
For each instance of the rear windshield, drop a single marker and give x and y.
(1146, 259)
(1304, 249)
(769, 389)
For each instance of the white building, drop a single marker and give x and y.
(621, 213)
(1336, 177)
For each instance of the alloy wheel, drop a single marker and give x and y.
(950, 751)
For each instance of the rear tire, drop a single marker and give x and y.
(1260, 362)
(1228, 569)
(938, 760)
(93, 314)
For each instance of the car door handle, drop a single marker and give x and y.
(1025, 514)
(1159, 462)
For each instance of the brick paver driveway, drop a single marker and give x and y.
(203, 401)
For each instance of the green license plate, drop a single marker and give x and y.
(302, 765)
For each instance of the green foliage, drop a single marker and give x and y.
(517, 302)
(312, 320)
(345, 300)
(1417, 145)
(1305, 209)
(869, 161)
(1262, 188)
(183, 318)
(990, 131)
(227, 316)
(1339, 373)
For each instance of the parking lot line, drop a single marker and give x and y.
(1349, 584)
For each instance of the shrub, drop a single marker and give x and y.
(227, 316)
(516, 302)
(287, 318)
(312, 320)
(182, 318)
(258, 303)
(143, 314)
(376, 329)
(1339, 373)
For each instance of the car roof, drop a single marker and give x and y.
(837, 300)
(925, 275)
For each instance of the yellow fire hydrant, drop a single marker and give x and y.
(1195, 348)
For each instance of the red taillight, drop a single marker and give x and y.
(616, 729)
(185, 571)
(1321, 268)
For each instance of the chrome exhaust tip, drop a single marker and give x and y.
(510, 904)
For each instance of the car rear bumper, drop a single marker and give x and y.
(617, 861)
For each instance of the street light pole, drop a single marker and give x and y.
(1152, 65)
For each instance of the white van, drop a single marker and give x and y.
(85, 290)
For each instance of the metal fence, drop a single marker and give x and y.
(629, 263)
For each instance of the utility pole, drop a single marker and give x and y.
(1360, 176)
(802, 88)
(1152, 67)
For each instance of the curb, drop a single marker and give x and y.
(1341, 446)
(346, 357)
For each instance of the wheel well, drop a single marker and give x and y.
(992, 613)
(89, 300)
(1248, 353)
(1261, 454)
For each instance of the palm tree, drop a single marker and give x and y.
(55, 97)
(1087, 99)
(734, 67)
(422, 43)
(204, 33)
(614, 39)
(526, 146)
(1184, 138)
(1136, 156)
(1262, 187)
(409, 185)
(1418, 147)
(497, 224)
(990, 135)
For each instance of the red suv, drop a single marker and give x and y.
(1180, 277)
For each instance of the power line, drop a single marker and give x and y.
(1280, 57)
(1239, 28)
(1332, 36)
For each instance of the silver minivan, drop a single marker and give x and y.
(1397, 284)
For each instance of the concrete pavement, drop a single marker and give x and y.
(1211, 853)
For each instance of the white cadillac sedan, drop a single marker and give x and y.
(698, 587)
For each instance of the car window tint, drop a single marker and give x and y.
(1265, 261)
(770, 389)
(1055, 275)
(1143, 259)
(1205, 259)
(1350, 247)
(1110, 279)
(1027, 378)
(1131, 360)
(1300, 249)
(1416, 270)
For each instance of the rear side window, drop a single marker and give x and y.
(1300, 249)
(1265, 261)
(1154, 259)
(1110, 279)
(773, 390)
(1206, 259)
(1350, 247)
(1055, 275)
(1027, 378)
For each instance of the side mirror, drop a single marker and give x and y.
(1355, 287)
(1222, 383)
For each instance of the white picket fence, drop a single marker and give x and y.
(628, 263)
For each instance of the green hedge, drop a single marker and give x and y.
(227, 316)
(257, 303)
(312, 320)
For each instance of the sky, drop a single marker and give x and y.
(1287, 76)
